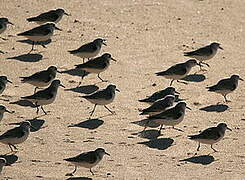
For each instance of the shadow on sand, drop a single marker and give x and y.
(204, 159)
(160, 144)
(89, 124)
(215, 108)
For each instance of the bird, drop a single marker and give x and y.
(41, 78)
(3, 81)
(87, 159)
(171, 117)
(159, 95)
(3, 25)
(3, 110)
(16, 135)
(211, 135)
(178, 71)
(45, 96)
(159, 106)
(102, 97)
(96, 65)
(226, 86)
(3, 162)
(53, 16)
(40, 33)
(204, 53)
(89, 50)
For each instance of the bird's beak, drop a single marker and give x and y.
(10, 23)
(9, 81)
(107, 154)
(241, 79)
(62, 85)
(66, 14)
(58, 71)
(11, 112)
(176, 92)
(228, 128)
(221, 48)
(57, 28)
(188, 108)
(117, 90)
(113, 59)
(104, 43)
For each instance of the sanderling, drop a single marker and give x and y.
(102, 97)
(96, 65)
(53, 16)
(159, 95)
(87, 159)
(225, 86)
(3, 162)
(45, 96)
(211, 135)
(3, 110)
(3, 81)
(90, 49)
(40, 33)
(204, 53)
(170, 117)
(16, 135)
(159, 106)
(41, 78)
(178, 71)
(3, 25)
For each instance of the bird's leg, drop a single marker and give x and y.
(112, 112)
(182, 82)
(83, 60)
(171, 82)
(178, 129)
(91, 171)
(213, 148)
(37, 108)
(160, 129)
(146, 124)
(11, 147)
(32, 47)
(43, 110)
(226, 99)
(206, 64)
(92, 112)
(35, 89)
(43, 46)
(200, 65)
(101, 78)
(199, 145)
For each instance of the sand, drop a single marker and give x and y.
(145, 37)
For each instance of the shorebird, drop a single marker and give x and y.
(45, 96)
(204, 53)
(226, 86)
(96, 65)
(16, 135)
(3, 25)
(53, 16)
(159, 106)
(178, 71)
(41, 78)
(3, 110)
(211, 135)
(3, 162)
(159, 95)
(3, 81)
(87, 159)
(102, 97)
(40, 33)
(170, 117)
(90, 49)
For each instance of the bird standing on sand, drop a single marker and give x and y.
(3, 81)
(87, 159)
(40, 33)
(3, 25)
(45, 96)
(89, 50)
(178, 71)
(226, 86)
(211, 135)
(204, 53)
(53, 16)
(41, 78)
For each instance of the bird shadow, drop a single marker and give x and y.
(203, 159)
(149, 134)
(27, 41)
(28, 57)
(194, 78)
(160, 144)
(84, 89)
(75, 72)
(145, 122)
(10, 159)
(24, 103)
(36, 124)
(89, 124)
(215, 108)
(79, 178)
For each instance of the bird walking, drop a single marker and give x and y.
(42, 78)
(211, 135)
(87, 160)
(225, 86)
(45, 96)
(89, 50)
(3, 25)
(102, 97)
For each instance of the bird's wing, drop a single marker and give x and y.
(89, 157)
(169, 114)
(93, 63)
(224, 84)
(177, 69)
(41, 76)
(12, 133)
(40, 95)
(50, 16)
(200, 52)
(97, 95)
(37, 31)
(210, 133)
(89, 47)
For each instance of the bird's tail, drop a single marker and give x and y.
(163, 73)
(193, 137)
(32, 19)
